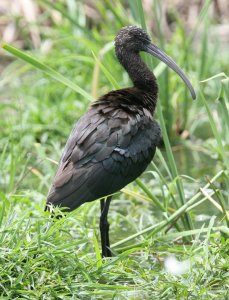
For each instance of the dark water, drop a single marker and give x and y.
(201, 167)
(194, 162)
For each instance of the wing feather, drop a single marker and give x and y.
(105, 151)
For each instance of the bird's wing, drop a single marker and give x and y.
(108, 148)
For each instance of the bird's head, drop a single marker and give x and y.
(132, 39)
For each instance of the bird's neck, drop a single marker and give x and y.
(141, 77)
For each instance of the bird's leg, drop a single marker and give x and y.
(107, 205)
(104, 227)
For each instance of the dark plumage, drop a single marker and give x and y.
(113, 143)
(105, 152)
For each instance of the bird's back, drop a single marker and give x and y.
(110, 146)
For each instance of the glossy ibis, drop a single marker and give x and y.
(113, 143)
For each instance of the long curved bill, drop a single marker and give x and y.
(155, 51)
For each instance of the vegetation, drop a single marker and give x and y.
(169, 228)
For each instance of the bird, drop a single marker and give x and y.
(115, 140)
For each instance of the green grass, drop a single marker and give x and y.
(177, 208)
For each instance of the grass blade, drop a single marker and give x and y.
(47, 70)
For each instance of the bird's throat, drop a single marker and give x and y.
(141, 77)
